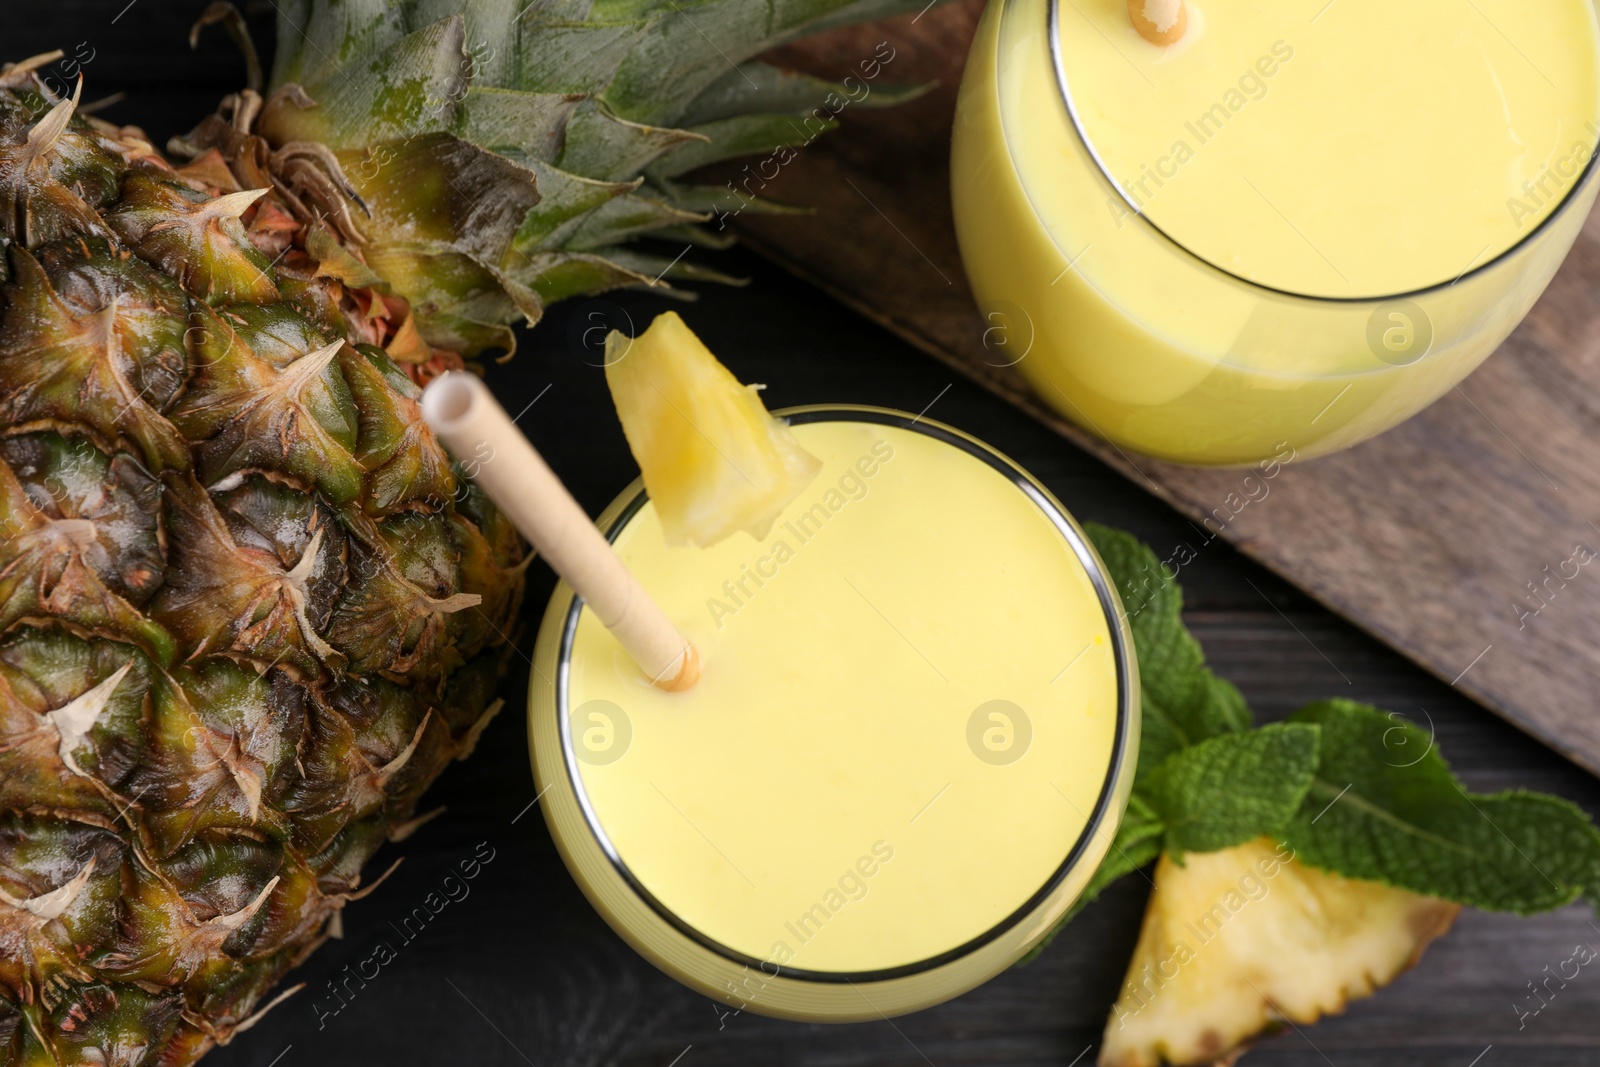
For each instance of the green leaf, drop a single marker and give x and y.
(1152, 604)
(1233, 788)
(600, 145)
(756, 87)
(698, 236)
(623, 218)
(491, 26)
(557, 55)
(744, 135)
(1137, 844)
(315, 40)
(1212, 707)
(668, 69)
(410, 87)
(1381, 812)
(1185, 703)
(564, 201)
(457, 301)
(558, 275)
(1352, 789)
(662, 268)
(443, 217)
(587, 95)
(725, 201)
(525, 126)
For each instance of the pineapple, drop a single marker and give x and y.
(248, 608)
(505, 159)
(1238, 941)
(713, 460)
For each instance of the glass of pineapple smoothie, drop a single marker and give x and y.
(1299, 225)
(909, 748)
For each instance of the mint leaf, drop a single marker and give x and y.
(1159, 737)
(1233, 788)
(1137, 844)
(1213, 706)
(1210, 707)
(1183, 702)
(1152, 602)
(1381, 812)
(1352, 789)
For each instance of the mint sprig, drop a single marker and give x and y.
(1378, 810)
(1351, 788)
(1251, 783)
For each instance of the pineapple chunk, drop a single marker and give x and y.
(1237, 941)
(713, 460)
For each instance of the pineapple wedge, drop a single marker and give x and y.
(714, 461)
(1237, 941)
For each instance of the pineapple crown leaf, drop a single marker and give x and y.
(755, 87)
(595, 110)
(741, 135)
(224, 13)
(1351, 788)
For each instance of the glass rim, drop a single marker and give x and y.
(1058, 65)
(1117, 765)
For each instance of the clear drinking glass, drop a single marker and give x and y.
(1141, 342)
(910, 747)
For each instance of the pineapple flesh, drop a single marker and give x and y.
(1239, 941)
(714, 461)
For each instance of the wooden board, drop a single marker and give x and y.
(1428, 536)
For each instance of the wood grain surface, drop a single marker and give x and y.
(1428, 536)
(522, 972)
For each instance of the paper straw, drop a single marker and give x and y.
(479, 433)
(1159, 21)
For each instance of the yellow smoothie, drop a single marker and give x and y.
(908, 749)
(1297, 226)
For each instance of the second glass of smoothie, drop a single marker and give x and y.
(1289, 231)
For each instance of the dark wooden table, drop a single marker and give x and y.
(522, 971)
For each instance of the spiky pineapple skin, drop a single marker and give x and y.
(248, 610)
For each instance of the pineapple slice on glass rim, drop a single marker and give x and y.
(714, 461)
